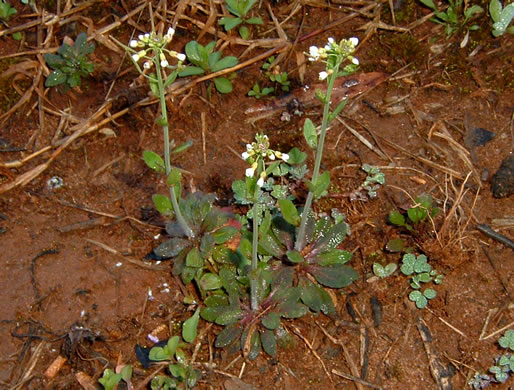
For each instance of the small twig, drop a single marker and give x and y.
(447, 323)
(356, 379)
(498, 331)
(33, 273)
(488, 231)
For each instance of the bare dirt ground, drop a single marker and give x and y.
(75, 254)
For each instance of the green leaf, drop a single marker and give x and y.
(210, 282)
(244, 32)
(338, 109)
(183, 147)
(229, 22)
(396, 218)
(224, 234)
(228, 335)
(429, 3)
(163, 205)
(254, 20)
(223, 85)
(271, 321)
(126, 373)
(296, 156)
(309, 133)
(395, 245)
(330, 238)
(417, 297)
(269, 342)
(289, 212)
(153, 161)
(194, 259)
(190, 326)
(54, 61)
(224, 63)
(55, 78)
(316, 298)
(336, 276)
(171, 247)
(191, 71)
(334, 256)
(429, 293)
(110, 379)
(229, 316)
(174, 178)
(295, 257)
(321, 184)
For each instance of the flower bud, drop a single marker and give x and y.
(133, 43)
(354, 41)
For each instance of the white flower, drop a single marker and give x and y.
(140, 37)
(331, 40)
(170, 33)
(260, 182)
(164, 63)
(135, 57)
(147, 36)
(323, 75)
(355, 61)
(245, 156)
(249, 147)
(354, 41)
(249, 172)
(147, 65)
(271, 156)
(181, 56)
(285, 156)
(133, 43)
(314, 53)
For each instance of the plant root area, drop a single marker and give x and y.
(77, 217)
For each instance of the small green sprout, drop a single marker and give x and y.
(416, 215)
(6, 11)
(420, 272)
(70, 63)
(258, 93)
(507, 341)
(383, 272)
(455, 17)
(206, 60)
(274, 74)
(501, 17)
(110, 379)
(240, 9)
(373, 181)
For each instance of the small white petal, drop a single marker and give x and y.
(245, 155)
(135, 57)
(323, 75)
(249, 147)
(147, 36)
(140, 37)
(164, 63)
(133, 43)
(147, 65)
(354, 41)
(355, 61)
(285, 156)
(249, 172)
(272, 156)
(331, 40)
(170, 32)
(181, 56)
(260, 182)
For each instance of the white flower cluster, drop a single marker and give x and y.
(260, 150)
(152, 42)
(345, 48)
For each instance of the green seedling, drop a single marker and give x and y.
(501, 17)
(274, 74)
(206, 60)
(182, 374)
(6, 11)
(258, 93)
(507, 341)
(383, 272)
(240, 9)
(455, 17)
(110, 379)
(70, 63)
(416, 215)
(420, 272)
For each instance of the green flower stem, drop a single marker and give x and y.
(167, 162)
(254, 301)
(300, 238)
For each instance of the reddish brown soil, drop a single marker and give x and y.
(106, 181)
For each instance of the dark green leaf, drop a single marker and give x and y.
(210, 282)
(293, 309)
(295, 257)
(336, 276)
(321, 184)
(334, 256)
(228, 335)
(224, 234)
(271, 320)
(55, 78)
(229, 316)
(316, 298)
(171, 248)
(188, 273)
(244, 32)
(194, 259)
(254, 20)
(191, 71)
(174, 178)
(395, 245)
(269, 343)
(329, 240)
(229, 22)
(396, 218)
(54, 61)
